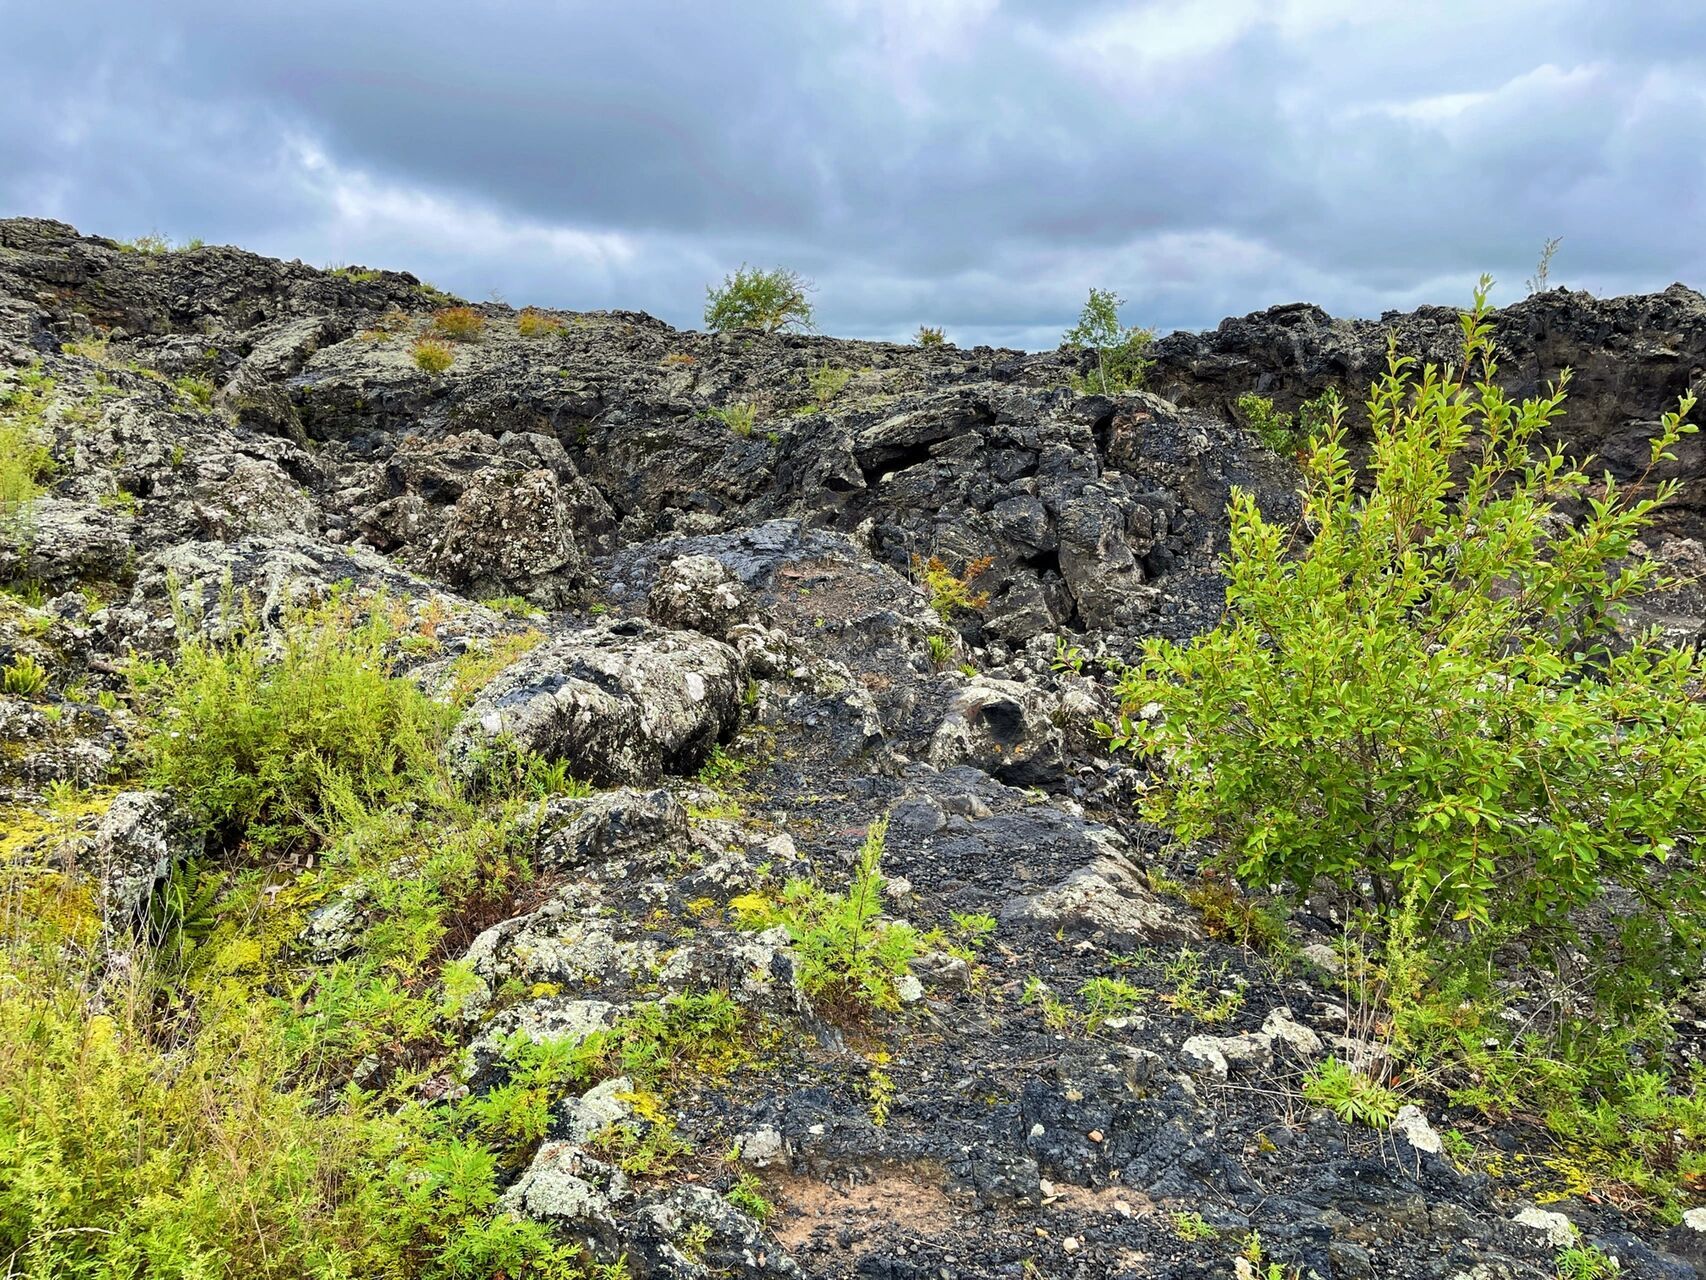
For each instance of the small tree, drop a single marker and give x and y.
(1426, 704)
(754, 299)
(1119, 349)
(929, 336)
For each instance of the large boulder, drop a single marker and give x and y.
(623, 702)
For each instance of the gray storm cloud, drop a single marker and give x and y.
(966, 163)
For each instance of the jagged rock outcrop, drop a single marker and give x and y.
(729, 635)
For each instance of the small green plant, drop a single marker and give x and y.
(952, 593)
(1106, 998)
(827, 382)
(1193, 992)
(747, 1195)
(432, 355)
(459, 323)
(23, 677)
(151, 245)
(534, 323)
(514, 606)
(1349, 1094)
(940, 649)
(739, 417)
(849, 956)
(929, 337)
(1068, 657)
(751, 298)
(1057, 1014)
(1585, 1262)
(197, 391)
(1120, 362)
(1192, 1227)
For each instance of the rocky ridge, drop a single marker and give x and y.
(707, 595)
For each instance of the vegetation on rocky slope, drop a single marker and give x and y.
(859, 956)
(1428, 710)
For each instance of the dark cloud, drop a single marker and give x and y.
(969, 163)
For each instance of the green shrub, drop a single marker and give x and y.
(266, 745)
(1284, 432)
(771, 301)
(1427, 701)
(460, 323)
(534, 323)
(23, 676)
(929, 337)
(433, 356)
(827, 382)
(849, 957)
(1120, 362)
(24, 458)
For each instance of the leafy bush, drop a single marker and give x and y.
(1426, 704)
(127, 1150)
(927, 336)
(267, 745)
(771, 301)
(952, 593)
(848, 955)
(534, 323)
(24, 458)
(433, 356)
(1284, 432)
(461, 323)
(1120, 363)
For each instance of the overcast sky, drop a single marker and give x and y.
(974, 164)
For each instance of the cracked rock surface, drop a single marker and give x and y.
(726, 635)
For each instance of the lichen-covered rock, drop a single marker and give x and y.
(1106, 899)
(1003, 727)
(697, 593)
(141, 837)
(510, 535)
(574, 832)
(620, 703)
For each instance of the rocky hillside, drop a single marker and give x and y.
(765, 594)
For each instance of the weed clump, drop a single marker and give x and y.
(952, 593)
(739, 417)
(534, 323)
(929, 337)
(432, 355)
(849, 956)
(460, 323)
